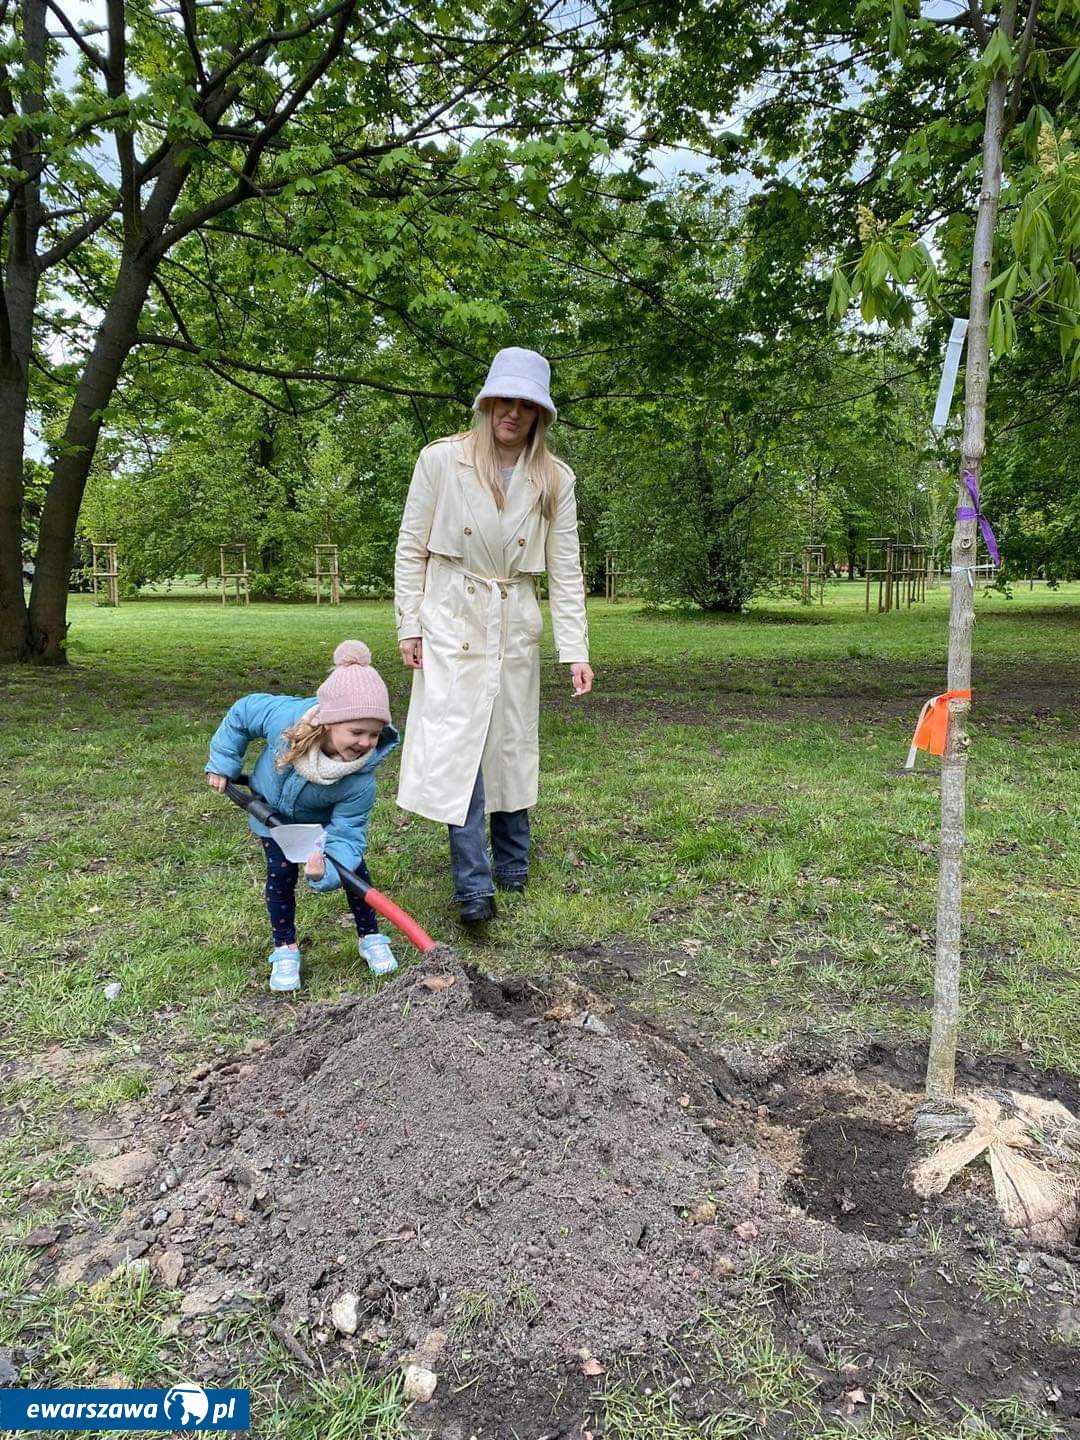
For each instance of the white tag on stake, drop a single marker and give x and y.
(953, 351)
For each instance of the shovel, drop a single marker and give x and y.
(240, 793)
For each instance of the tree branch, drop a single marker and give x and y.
(246, 187)
(116, 85)
(92, 53)
(274, 38)
(978, 21)
(189, 16)
(322, 377)
(1026, 40)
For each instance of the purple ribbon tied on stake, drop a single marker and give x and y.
(972, 512)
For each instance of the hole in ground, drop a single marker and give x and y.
(855, 1175)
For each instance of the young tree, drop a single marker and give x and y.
(1042, 272)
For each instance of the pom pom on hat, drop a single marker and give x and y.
(354, 689)
(352, 652)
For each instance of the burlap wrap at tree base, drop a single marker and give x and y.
(1038, 1197)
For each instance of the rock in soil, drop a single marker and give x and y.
(345, 1313)
(125, 1171)
(419, 1383)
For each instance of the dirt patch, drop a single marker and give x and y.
(867, 691)
(454, 1163)
(855, 1174)
(509, 1173)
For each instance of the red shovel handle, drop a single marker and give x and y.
(385, 907)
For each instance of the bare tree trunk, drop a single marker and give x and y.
(14, 632)
(17, 303)
(941, 1068)
(71, 469)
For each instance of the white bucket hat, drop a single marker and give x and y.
(518, 374)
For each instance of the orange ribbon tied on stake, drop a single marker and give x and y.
(932, 727)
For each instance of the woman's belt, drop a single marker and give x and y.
(497, 590)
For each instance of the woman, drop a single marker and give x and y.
(487, 512)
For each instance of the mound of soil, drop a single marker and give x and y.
(514, 1187)
(456, 1161)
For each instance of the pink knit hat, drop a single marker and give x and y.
(354, 689)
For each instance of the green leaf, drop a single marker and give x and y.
(1002, 332)
(1068, 286)
(839, 296)
(908, 263)
(1007, 281)
(1070, 75)
(998, 56)
(898, 29)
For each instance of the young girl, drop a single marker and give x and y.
(318, 768)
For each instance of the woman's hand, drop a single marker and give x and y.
(217, 782)
(412, 653)
(315, 866)
(581, 675)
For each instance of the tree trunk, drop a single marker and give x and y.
(941, 1069)
(56, 541)
(20, 295)
(17, 305)
(14, 630)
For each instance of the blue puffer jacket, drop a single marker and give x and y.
(344, 807)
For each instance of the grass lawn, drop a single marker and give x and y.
(728, 814)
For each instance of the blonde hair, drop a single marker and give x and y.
(303, 737)
(539, 463)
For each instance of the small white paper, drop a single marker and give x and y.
(298, 842)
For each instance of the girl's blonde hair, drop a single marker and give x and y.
(303, 737)
(539, 462)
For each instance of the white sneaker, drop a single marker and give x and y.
(376, 951)
(285, 969)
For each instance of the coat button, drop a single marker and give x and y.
(467, 530)
(471, 589)
(502, 592)
(521, 541)
(465, 645)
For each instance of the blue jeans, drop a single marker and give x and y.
(469, 852)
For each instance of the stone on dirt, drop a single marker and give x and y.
(419, 1384)
(170, 1266)
(122, 1172)
(345, 1313)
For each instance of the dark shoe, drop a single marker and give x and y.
(476, 912)
(511, 887)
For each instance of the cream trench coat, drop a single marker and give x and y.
(472, 599)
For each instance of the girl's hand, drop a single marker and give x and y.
(412, 655)
(315, 866)
(581, 675)
(217, 782)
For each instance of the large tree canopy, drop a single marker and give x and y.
(301, 205)
(246, 151)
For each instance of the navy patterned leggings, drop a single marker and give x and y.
(281, 878)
